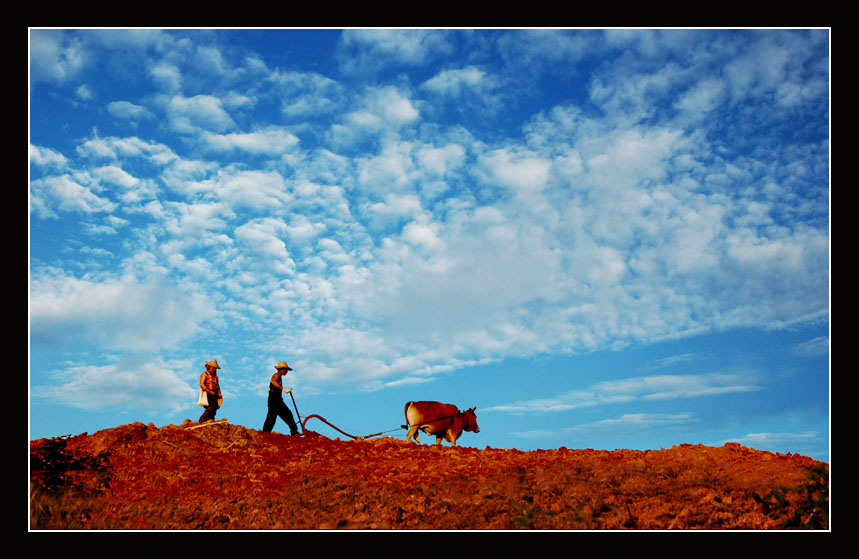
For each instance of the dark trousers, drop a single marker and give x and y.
(277, 408)
(210, 410)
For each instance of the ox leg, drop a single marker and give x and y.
(413, 432)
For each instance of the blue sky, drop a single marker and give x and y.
(600, 238)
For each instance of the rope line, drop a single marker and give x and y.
(319, 417)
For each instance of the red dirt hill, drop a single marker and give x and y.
(226, 476)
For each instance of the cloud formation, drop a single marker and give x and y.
(654, 387)
(396, 242)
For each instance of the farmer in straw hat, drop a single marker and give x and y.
(211, 386)
(276, 406)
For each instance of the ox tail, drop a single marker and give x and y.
(406, 412)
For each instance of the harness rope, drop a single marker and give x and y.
(319, 417)
(433, 420)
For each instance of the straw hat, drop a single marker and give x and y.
(213, 364)
(283, 365)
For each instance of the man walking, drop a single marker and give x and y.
(276, 406)
(212, 387)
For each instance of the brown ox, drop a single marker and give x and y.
(445, 421)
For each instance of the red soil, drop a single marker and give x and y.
(230, 477)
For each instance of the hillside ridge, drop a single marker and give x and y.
(226, 476)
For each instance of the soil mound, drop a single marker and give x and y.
(225, 476)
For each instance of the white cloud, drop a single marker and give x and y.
(814, 347)
(456, 81)
(135, 383)
(167, 76)
(369, 50)
(46, 157)
(672, 360)
(117, 313)
(133, 147)
(758, 69)
(519, 171)
(258, 190)
(393, 209)
(271, 141)
(54, 57)
(137, 40)
(768, 440)
(441, 160)
(302, 229)
(654, 387)
(264, 246)
(610, 428)
(210, 61)
(543, 48)
(423, 234)
(129, 111)
(307, 94)
(630, 157)
(392, 168)
(128, 189)
(84, 92)
(64, 194)
(188, 115)
(117, 176)
(702, 98)
(395, 108)
(384, 110)
(606, 266)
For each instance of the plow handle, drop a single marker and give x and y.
(296, 411)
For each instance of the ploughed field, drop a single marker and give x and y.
(223, 477)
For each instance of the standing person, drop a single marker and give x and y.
(276, 406)
(212, 387)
